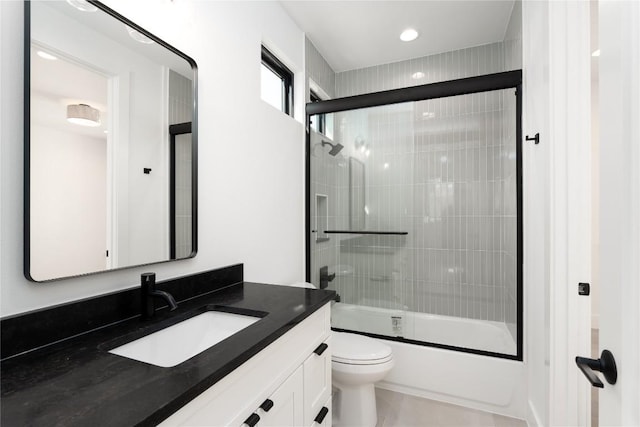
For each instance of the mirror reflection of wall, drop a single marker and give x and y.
(68, 166)
(127, 200)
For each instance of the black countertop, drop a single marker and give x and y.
(76, 382)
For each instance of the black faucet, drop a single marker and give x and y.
(148, 294)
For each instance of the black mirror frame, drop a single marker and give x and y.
(27, 143)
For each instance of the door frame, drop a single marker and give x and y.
(566, 117)
(619, 34)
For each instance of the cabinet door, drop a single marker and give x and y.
(287, 401)
(317, 381)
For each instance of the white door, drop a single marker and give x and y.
(620, 207)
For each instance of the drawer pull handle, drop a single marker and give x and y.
(323, 413)
(252, 420)
(321, 348)
(267, 405)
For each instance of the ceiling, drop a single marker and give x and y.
(57, 83)
(359, 34)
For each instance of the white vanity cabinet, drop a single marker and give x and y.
(317, 382)
(289, 410)
(287, 383)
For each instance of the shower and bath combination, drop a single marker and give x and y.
(424, 225)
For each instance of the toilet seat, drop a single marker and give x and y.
(352, 349)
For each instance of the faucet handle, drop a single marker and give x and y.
(148, 278)
(147, 282)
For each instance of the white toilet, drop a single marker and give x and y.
(357, 362)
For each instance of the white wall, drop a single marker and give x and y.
(595, 171)
(251, 156)
(536, 226)
(68, 214)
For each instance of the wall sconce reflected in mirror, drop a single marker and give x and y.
(138, 36)
(82, 5)
(83, 114)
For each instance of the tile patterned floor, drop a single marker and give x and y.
(401, 410)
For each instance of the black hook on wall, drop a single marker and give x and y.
(535, 138)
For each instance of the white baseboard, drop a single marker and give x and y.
(533, 419)
(465, 403)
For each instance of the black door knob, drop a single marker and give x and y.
(606, 364)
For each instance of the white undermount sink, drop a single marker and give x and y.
(177, 343)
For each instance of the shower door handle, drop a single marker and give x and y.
(606, 364)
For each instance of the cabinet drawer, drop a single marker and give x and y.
(317, 381)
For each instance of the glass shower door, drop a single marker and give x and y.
(364, 241)
(415, 218)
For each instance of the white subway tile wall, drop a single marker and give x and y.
(318, 70)
(447, 178)
(474, 61)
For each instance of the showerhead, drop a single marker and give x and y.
(335, 148)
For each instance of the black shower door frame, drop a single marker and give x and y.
(446, 89)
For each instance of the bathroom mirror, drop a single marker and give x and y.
(110, 143)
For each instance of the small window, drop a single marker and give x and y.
(276, 83)
(318, 121)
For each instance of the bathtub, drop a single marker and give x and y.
(476, 381)
(453, 331)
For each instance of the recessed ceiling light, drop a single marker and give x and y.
(428, 114)
(82, 5)
(596, 53)
(417, 75)
(46, 55)
(408, 35)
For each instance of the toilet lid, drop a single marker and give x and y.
(358, 349)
